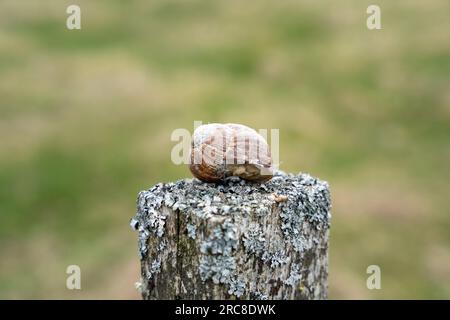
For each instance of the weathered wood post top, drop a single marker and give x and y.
(234, 239)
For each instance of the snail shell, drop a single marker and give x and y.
(222, 150)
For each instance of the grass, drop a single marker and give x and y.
(86, 118)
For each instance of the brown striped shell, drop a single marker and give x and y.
(222, 150)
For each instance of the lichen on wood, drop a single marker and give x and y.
(234, 239)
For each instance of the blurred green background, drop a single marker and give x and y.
(86, 118)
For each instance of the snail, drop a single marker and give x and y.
(223, 150)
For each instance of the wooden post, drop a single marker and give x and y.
(235, 239)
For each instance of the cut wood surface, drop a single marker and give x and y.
(234, 239)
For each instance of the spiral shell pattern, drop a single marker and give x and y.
(223, 150)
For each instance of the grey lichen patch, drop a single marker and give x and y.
(222, 240)
(259, 296)
(218, 268)
(148, 219)
(161, 245)
(294, 276)
(155, 267)
(253, 239)
(222, 226)
(275, 259)
(300, 243)
(308, 200)
(191, 230)
(217, 262)
(236, 287)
